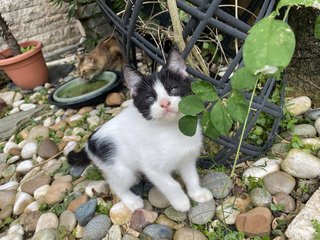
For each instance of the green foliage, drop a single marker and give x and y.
(296, 142)
(188, 125)
(73, 5)
(243, 79)
(27, 49)
(221, 118)
(204, 90)
(276, 207)
(104, 208)
(237, 106)
(5, 222)
(191, 105)
(261, 238)
(59, 208)
(254, 182)
(316, 226)
(53, 135)
(64, 169)
(93, 173)
(220, 232)
(317, 28)
(288, 122)
(44, 207)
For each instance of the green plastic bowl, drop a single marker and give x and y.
(78, 90)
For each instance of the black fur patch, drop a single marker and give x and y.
(78, 158)
(169, 80)
(101, 148)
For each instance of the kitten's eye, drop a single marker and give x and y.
(150, 99)
(174, 90)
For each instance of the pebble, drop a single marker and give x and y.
(17, 104)
(189, 234)
(31, 220)
(28, 150)
(256, 222)
(175, 215)
(38, 132)
(286, 200)
(57, 192)
(97, 228)
(3, 157)
(76, 171)
(227, 213)
(47, 234)
(202, 213)
(85, 109)
(25, 166)
(299, 105)
(242, 202)
(7, 197)
(9, 145)
(279, 182)
(157, 199)
(40, 193)
(301, 164)
(27, 106)
(71, 146)
(7, 97)
(114, 99)
(260, 197)
(85, 212)
(32, 207)
(114, 233)
(9, 171)
(93, 121)
(261, 168)
(120, 214)
(74, 204)
(304, 130)
(129, 237)
(97, 188)
(317, 125)
(313, 142)
(313, 114)
(141, 218)
(30, 185)
(13, 159)
(16, 228)
(48, 122)
(156, 231)
(218, 183)
(47, 148)
(67, 221)
(21, 202)
(164, 220)
(47, 220)
(78, 232)
(6, 211)
(9, 185)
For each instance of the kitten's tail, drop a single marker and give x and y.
(78, 158)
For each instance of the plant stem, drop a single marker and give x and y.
(8, 37)
(286, 14)
(243, 130)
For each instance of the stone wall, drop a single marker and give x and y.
(40, 20)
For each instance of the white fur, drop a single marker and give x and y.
(155, 148)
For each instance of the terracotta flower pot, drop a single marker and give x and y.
(27, 70)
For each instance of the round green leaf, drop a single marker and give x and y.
(317, 28)
(204, 90)
(269, 47)
(207, 127)
(243, 79)
(237, 106)
(188, 125)
(221, 119)
(191, 105)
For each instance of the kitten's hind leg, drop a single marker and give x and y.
(120, 180)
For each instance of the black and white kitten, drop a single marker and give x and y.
(145, 139)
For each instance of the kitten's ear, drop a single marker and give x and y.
(132, 78)
(175, 63)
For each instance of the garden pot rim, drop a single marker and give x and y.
(13, 59)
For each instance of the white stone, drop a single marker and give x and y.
(227, 213)
(8, 146)
(75, 117)
(48, 122)
(78, 231)
(47, 220)
(114, 233)
(28, 150)
(317, 125)
(17, 104)
(16, 228)
(127, 103)
(40, 193)
(22, 143)
(261, 168)
(9, 185)
(93, 120)
(301, 164)
(17, 97)
(27, 106)
(32, 207)
(39, 159)
(96, 187)
(24, 166)
(14, 110)
(69, 147)
(60, 112)
(21, 202)
(94, 112)
(7, 97)
(12, 236)
(299, 105)
(13, 159)
(301, 226)
(314, 142)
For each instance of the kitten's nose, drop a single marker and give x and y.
(165, 103)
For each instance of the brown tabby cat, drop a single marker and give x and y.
(107, 55)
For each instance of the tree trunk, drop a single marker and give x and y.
(303, 74)
(8, 37)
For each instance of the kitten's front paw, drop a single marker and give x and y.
(201, 195)
(181, 204)
(133, 203)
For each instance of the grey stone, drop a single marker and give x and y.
(97, 228)
(202, 213)
(286, 200)
(67, 221)
(313, 114)
(156, 232)
(260, 197)
(189, 234)
(47, 234)
(304, 130)
(299, 105)
(218, 183)
(280, 149)
(279, 182)
(157, 199)
(175, 215)
(86, 211)
(9, 171)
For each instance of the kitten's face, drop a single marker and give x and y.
(87, 67)
(157, 96)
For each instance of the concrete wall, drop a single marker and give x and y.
(40, 20)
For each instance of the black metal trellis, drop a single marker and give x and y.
(204, 14)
